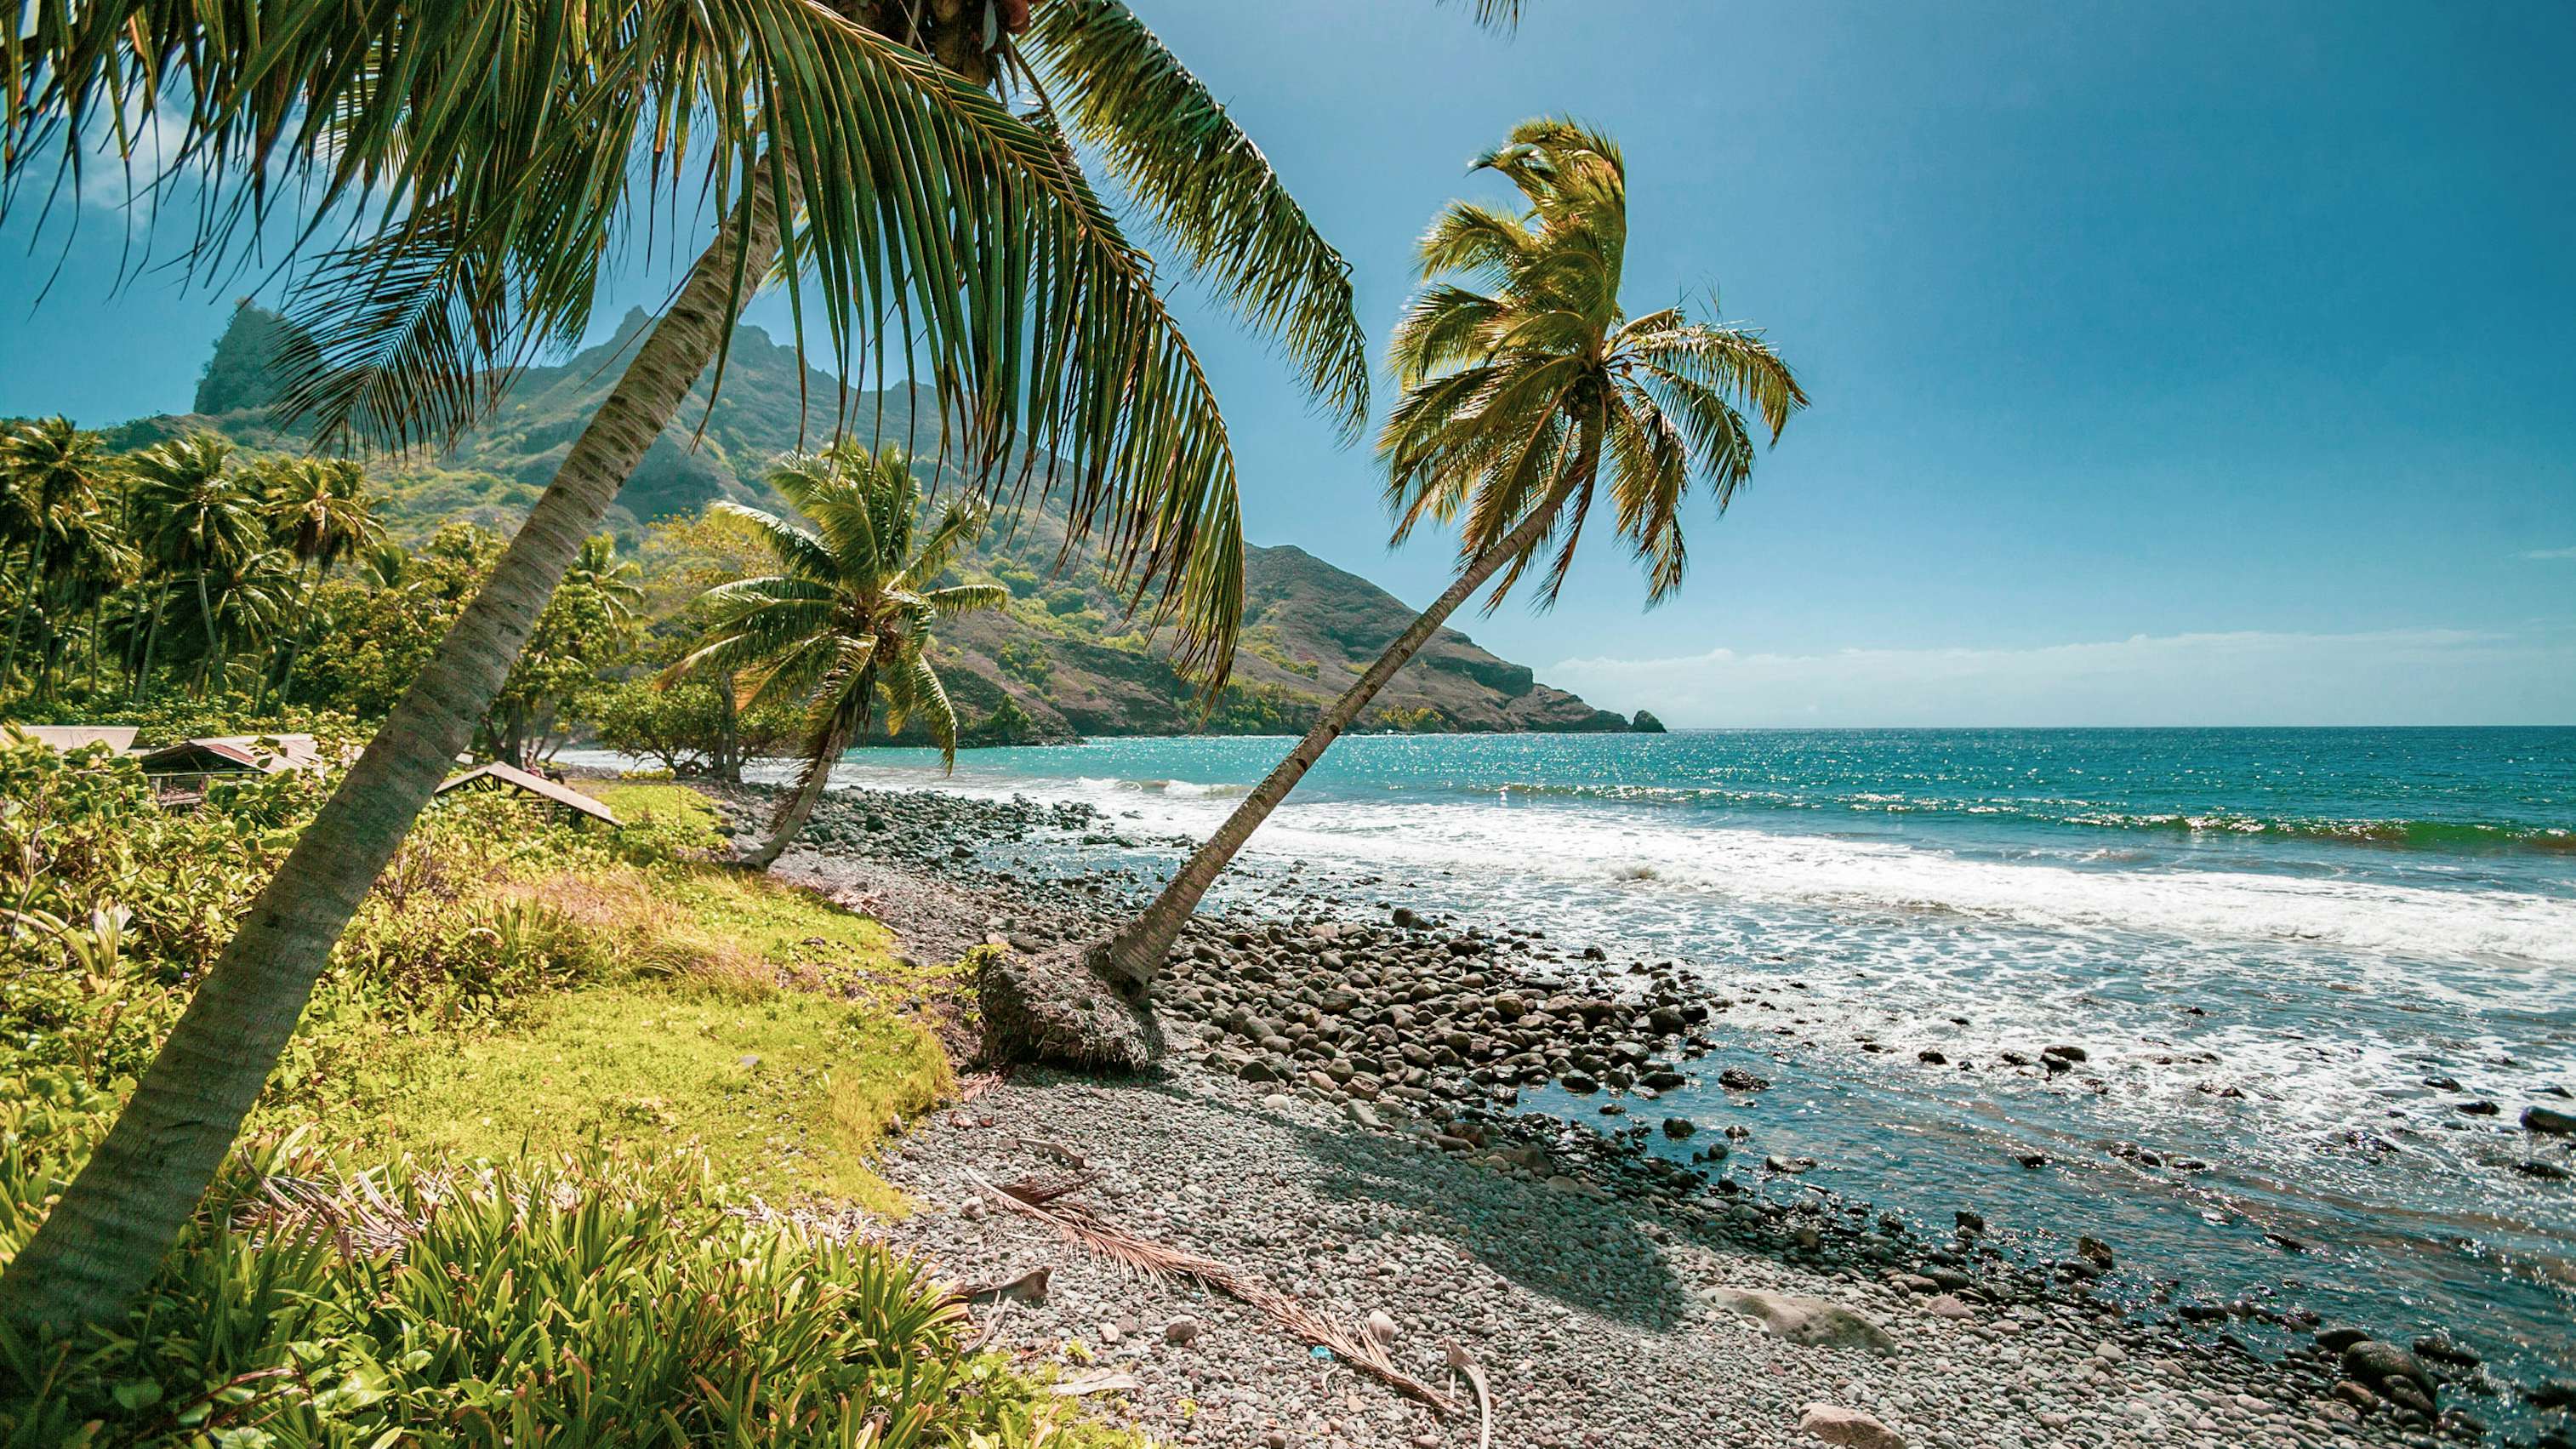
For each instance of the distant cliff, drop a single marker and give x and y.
(1065, 655)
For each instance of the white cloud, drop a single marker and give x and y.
(2395, 676)
(2550, 553)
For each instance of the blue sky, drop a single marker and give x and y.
(2173, 363)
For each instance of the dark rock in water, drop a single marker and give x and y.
(2067, 1053)
(2441, 1348)
(1665, 1081)
(2443, 1084)
(2406, 1394)
(1679, 1127)
(2549, 1121)
(2336, 1340)
(2094, 1251)
(1736, 1079)
(1969, 1222)
(1931, 1058)
(2382, 1364)
(2552, 1394)
(1578, 1082)
(1789, 1165)
(2032, 1160)
(1645, 723)
(2480, 1109)
(2545, 1171)
(1404, 917)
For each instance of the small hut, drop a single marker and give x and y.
(556, 797)
(179, 772)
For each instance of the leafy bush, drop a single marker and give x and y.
(595, 1299)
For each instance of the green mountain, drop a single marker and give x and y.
(1066, 654)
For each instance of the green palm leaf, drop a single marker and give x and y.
(1174, 148)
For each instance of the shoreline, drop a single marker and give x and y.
(1320, 1023)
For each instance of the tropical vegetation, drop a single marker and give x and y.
(1522, 404)
(498, 153)
(546, 1090)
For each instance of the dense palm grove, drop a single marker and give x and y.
(194, 587)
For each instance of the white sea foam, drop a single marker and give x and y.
(2526, 940)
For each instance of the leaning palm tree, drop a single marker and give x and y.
(846, 618)
(51, 476)
(318, 510)
(1519, 404)
(502, 149)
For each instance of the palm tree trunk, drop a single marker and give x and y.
(26, 601)
(151, 640)
(800, 806)
(214, 646)
(728, 762)
(1135, 955)
(120, 1216)
(303, 631)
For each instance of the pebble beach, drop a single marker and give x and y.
(1447, 1134)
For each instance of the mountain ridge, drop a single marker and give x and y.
(1066, 656)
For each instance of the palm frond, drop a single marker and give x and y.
(1209, 188)
(1734, 361)
(1147, 1258)
(797, 551)
(958, 599)
(956, 531)
(1494, 14)
(916, 692)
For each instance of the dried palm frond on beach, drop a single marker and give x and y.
(1149, 1259)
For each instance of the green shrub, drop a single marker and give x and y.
(592, 1300)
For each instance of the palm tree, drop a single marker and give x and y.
(619, 583)
(240, 602)
(199, 521)
(95, 566)
(1513, 402)
(318, 510)
(51, 474)
(498, 144)
(847, 617)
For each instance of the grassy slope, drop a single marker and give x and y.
(665, 1036)
(757, 1023)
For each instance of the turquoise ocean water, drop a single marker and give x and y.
(2295, 956)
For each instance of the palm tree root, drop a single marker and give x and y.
(1051, 1009)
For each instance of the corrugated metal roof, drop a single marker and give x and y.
(268, 754)
(515, 778)
(119, 738)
